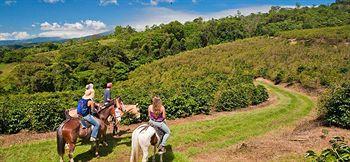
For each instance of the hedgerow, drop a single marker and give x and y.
(335, 106)
(37, 112)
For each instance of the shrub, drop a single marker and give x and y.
(339, 151)
(335, 106)
(259, 95)
(232, 98)
(38, 112)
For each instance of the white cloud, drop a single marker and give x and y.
(53, 1)
(10, 2)
(72, 30)
(157, 15)
(108, 2)
(155, 2)
(15, 36)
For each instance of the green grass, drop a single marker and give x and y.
(6, 69)
(190, 139)
(2, 66)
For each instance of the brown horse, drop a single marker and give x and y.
(69, 131)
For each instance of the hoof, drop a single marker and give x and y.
(97, 155)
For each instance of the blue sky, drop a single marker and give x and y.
(23, 19)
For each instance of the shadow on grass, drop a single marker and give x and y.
(168, 156)
(104, 151)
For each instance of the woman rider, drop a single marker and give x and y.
(88, 96)
(157, 115)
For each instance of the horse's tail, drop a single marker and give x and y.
(135, 146)
(60, 140)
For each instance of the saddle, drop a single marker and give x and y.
(159, 132)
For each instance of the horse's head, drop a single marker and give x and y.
(131, 109)
(134, 110)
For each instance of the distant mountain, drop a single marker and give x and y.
(29, 41)
(48, 39)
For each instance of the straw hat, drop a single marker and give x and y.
(89, 94)
(89, 86)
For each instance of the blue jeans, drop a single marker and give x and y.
(91, 119)
(163, 127)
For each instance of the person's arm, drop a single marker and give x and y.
(91, 104)
(108, 95)
(149, 111)
(164, 113)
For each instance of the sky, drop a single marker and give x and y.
(24, 19)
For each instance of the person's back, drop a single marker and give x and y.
(157, 115)
(88, 100)
(107, 98)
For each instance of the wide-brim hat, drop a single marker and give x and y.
(89, 94)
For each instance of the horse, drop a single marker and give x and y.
(71, 129)
(123, 110)
(143, 137)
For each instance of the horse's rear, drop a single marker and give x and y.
(68, 133)
(142, 138)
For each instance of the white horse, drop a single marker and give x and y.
(142, 137)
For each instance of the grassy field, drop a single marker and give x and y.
(189, 139)
(6, 69)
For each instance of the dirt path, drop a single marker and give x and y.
(288, 143)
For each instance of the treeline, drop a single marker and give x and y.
(55, 67)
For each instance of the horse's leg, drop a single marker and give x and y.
(154, 153)
(97, 149)
(145, 153)
(71, 150)
(103, 132)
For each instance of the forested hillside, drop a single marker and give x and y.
(51, 77)
(51, 67)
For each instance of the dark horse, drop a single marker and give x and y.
(69, 131)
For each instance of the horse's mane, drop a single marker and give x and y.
(104, 108)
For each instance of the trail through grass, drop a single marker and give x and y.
(189, 139)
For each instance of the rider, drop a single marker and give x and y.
(88, 102)
(157, 115)
(107, 97)
(120, 107)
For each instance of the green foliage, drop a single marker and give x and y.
(120, 53)
(240, 96)
(335, 106)
(259, 95)
(38, 112)
(339, 151)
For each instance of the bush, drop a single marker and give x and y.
(232, 99)
(241, 96)
(339, 151)
(335, 106)
(259, 95)
(38, 112)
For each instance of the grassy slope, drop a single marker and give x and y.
(6, 69)
(188, 139)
